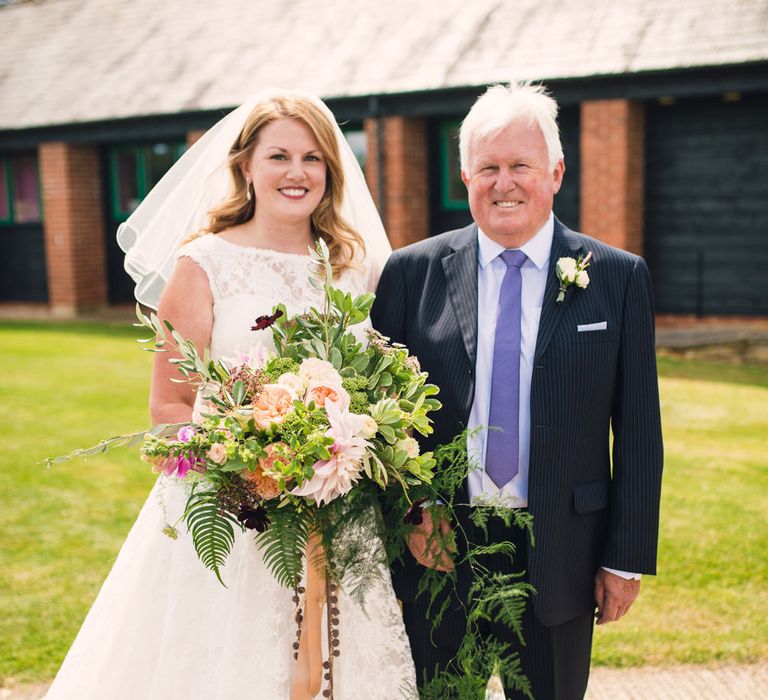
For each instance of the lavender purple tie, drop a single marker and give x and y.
(502, 452)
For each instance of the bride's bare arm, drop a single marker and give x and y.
(187, 303)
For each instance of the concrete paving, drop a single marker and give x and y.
(743, 682)
(731, 343)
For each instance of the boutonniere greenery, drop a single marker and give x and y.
(570, 271)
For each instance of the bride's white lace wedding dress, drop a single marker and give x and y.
(162, 626)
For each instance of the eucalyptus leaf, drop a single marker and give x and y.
(238, 392)
(359, 363)
(387, 433)
(336, 358)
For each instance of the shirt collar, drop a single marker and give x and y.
(537, 249)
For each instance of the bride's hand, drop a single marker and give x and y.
(429, 549)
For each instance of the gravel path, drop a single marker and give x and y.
(747, 682)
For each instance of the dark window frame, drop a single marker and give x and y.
(139, 152)
(448, 133)
(6, 163)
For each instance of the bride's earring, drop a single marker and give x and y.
(248, 190)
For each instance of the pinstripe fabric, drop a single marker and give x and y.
(590, 508)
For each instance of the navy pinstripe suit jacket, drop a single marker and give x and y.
(592, 504)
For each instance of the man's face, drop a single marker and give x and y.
(510, 184)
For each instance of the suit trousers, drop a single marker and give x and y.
(555, 659)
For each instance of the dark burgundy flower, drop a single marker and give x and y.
(263, 322)
(254, 518)
(415, 514)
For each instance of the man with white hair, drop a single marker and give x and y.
(519, 335)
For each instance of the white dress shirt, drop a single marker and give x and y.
(490, 273)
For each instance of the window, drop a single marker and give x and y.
(19, 189)
(358, 142)
(135, 170)
(453, 193)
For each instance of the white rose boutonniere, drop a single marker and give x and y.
(570, 271)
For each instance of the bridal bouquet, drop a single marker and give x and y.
(295, 443)
(288, 434)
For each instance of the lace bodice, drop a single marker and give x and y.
(247, 282)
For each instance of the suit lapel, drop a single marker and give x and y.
(565, 243)
(460, 268)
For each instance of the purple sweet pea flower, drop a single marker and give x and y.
(186, 433)
(180, 465)
(184, 464)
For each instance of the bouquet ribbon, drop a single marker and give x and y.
(308, 673)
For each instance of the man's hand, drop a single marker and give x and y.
(427, 549)
(614, 596)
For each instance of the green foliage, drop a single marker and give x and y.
(191, 366)
(280, 365)
(353, 555)
(130, 440)
(284, 542)
(492, 596)
(521, 519)
(467, 676)
(212, 529)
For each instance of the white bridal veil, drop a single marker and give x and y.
(179, 203)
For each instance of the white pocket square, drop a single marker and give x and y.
(600, 326)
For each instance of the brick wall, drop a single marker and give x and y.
(613, 172)
(74, 227)
(193, 136)
(405, 209)
(372, 159)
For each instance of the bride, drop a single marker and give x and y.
(262, 185)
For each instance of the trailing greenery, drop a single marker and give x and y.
(493, 596)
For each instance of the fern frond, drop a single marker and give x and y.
(212, 529)
(283, 545)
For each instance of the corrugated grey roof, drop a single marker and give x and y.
(65, 61)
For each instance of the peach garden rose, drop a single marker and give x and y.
(320, 392)
(272, 405)
(260, 480)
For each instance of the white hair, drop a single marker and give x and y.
(499, 106)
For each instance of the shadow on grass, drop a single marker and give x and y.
(678, 368)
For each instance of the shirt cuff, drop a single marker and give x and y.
(623, 574)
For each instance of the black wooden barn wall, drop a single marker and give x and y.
(706, 211)
(22, 263)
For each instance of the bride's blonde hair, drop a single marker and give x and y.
(344, 243)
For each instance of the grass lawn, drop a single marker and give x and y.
(709, 601)
(68, 385)
(63, 386)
